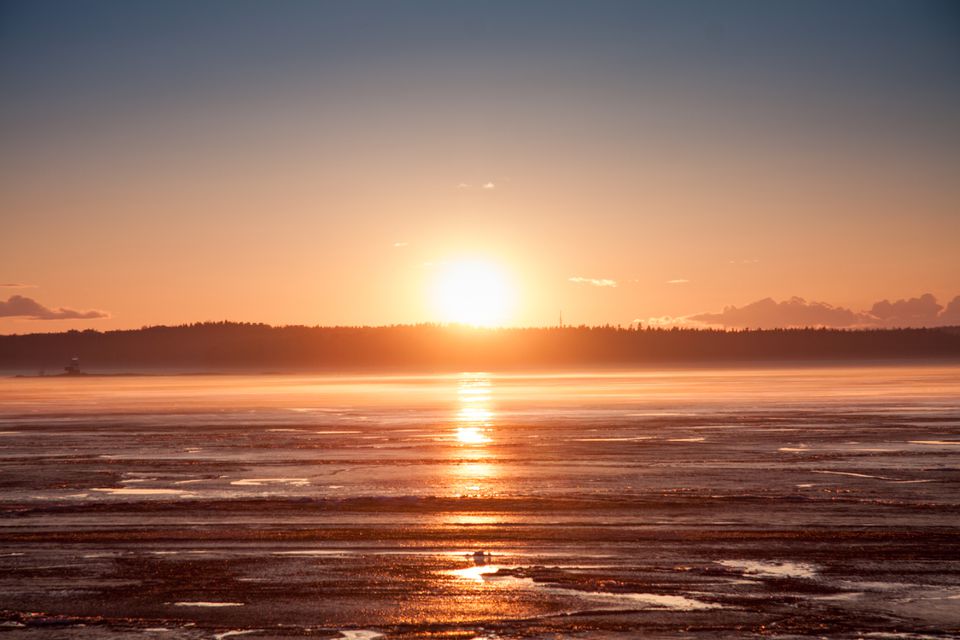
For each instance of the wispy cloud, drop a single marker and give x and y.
(400, 244)
(16, 285)
(23, 307)
(484, 185)
(678, 281)
(665, 321)
(744, 261)
(596, 282)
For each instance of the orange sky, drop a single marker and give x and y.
(174, 174)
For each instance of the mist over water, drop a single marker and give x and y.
(682, 502)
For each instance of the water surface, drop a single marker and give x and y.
(813, 501)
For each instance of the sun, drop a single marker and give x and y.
(473, 292)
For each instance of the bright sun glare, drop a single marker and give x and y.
(473, 292)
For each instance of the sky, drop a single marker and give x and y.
(740, 163)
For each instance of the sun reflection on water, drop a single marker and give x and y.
(475, 573)
(471, 435)
(473, 431)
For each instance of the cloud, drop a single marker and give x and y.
(923, 311)
(400, 244)
(16, 285)
(596, 282)
(485, 185)
(915, 312)
(770, 314)
(744, 261)
(678, 281)
(951, 314)
(23, 307)
(666, 322)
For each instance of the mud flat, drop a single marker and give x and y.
(776, 503)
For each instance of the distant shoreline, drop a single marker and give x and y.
(227, 348)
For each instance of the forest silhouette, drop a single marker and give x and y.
(223, 346)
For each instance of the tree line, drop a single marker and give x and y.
(214, 346)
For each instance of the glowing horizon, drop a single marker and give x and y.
(699, 164)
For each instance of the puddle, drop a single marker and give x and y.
(208, 604)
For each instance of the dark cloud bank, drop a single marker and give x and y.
(924, 311)
(23, 307)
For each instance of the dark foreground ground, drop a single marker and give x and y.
(769, 504)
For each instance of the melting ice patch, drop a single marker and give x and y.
(783, 569)
(236, 632)
(680, 603)
(483, 573)
(360, 634)
(256, 482)
(129, 491)
(613, 439)
(864, 475)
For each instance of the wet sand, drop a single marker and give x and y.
(775, 503)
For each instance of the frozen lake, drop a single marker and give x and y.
(681, 503)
